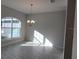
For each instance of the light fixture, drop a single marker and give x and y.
(30, 22)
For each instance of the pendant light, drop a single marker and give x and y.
(30, 22)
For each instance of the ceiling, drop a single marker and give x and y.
(40, 6)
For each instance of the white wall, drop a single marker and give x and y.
(74, 49)
(51, 25)
(8, 12)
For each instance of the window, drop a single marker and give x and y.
(10, 27)
(39, 38)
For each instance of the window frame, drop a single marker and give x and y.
(12, 26)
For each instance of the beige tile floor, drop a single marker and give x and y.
(30, 52)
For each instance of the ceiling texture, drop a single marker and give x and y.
(40, 6)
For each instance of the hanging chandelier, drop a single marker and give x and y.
(30, 22)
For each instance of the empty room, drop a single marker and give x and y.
(36, 29)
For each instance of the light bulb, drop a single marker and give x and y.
(32, 21)
(28, 21)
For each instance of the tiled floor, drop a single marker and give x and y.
(30, 52)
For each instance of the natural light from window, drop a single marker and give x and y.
(10, 27)
(40, 39)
